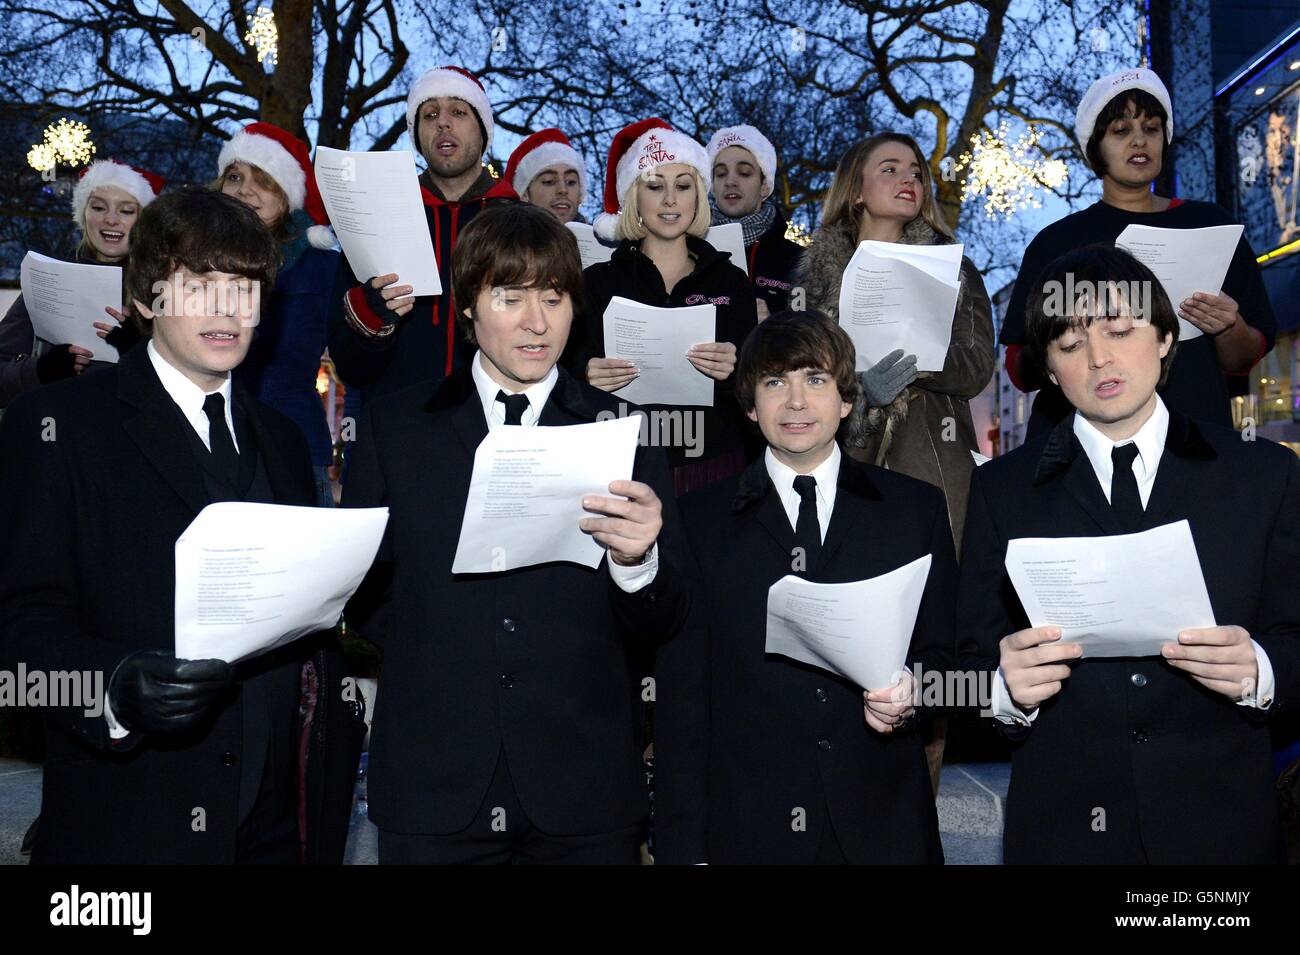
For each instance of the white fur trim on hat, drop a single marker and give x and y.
(272, 158)
(441, 81)
(1107, 88)
(105, 172)
(746, 137)
(550, 154)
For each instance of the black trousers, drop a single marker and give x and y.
(502, 834)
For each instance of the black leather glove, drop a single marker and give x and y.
(153, 692)
(123, 337)
(376, 302)
(56, 362)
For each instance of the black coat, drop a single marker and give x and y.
(535, 659)
(88, 578)
(744, 739)
(1185, 770)
(631, 274)
(773, 262)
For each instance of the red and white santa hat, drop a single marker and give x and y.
(749, 138)
(286, 159)
(636, 150)
(450, 81)
(142, 185)
(1107, 88)
(548, 147)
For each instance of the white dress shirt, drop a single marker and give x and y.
(629, 579)
(1150, 441)
(189, 398)
(825, 474)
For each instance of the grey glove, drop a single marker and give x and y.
(885, 380)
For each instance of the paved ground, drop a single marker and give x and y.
(971, 798)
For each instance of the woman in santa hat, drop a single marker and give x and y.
(657, 207)
(105, 205)
(270, 170)
(1124, 126)
(545, 170)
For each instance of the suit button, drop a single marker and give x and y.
(507, 680)
(1140, 736)
(508, 625)
(821, 695)
(654, 597)
(824, 745)
(229, 759)
(1138, 679)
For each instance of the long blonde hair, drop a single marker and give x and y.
(842, 209)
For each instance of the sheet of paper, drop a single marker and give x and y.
(730, 238)
(901, 296)
(1184, 260)
(859, 630)
(64, 299)
(374, 205)
(252, 577)
(656, 341)
(1120, 596)
(526, 491)
(591, 250)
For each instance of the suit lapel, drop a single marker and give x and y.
(457, 397)
(156, 427)
(756, 493)
(847, 516)
(1176, 474)
(284, 489)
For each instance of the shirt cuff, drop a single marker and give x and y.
(115, 729)
(633, 578)
(1004, 708)
(1262, 698)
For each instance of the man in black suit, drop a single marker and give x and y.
(1154, 759)
(190, 760)
(759, 758)
(509, 730)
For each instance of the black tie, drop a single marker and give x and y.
(1124, 498)
(220, 442)
(515, 406)
(808, 530)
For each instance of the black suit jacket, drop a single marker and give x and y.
(1133, 757)
(747, 744)
(97, 481)
(535, 660)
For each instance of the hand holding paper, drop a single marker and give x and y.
(1184, 260)
(901, 296)
(525, 502)
(65, 298)
(373, 201)
(1121, 596)
(657, 341)
(859, 630)
(252, 577)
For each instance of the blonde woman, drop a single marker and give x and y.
(916, 423)
(657, 207)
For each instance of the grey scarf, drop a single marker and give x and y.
(753, 225)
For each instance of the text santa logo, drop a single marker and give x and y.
(654, 153)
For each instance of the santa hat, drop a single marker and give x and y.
(636, 150)
(142, 185)
(1107, 88)
(746, 137)
(286, 159)
(549, 147)
(450, 81)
